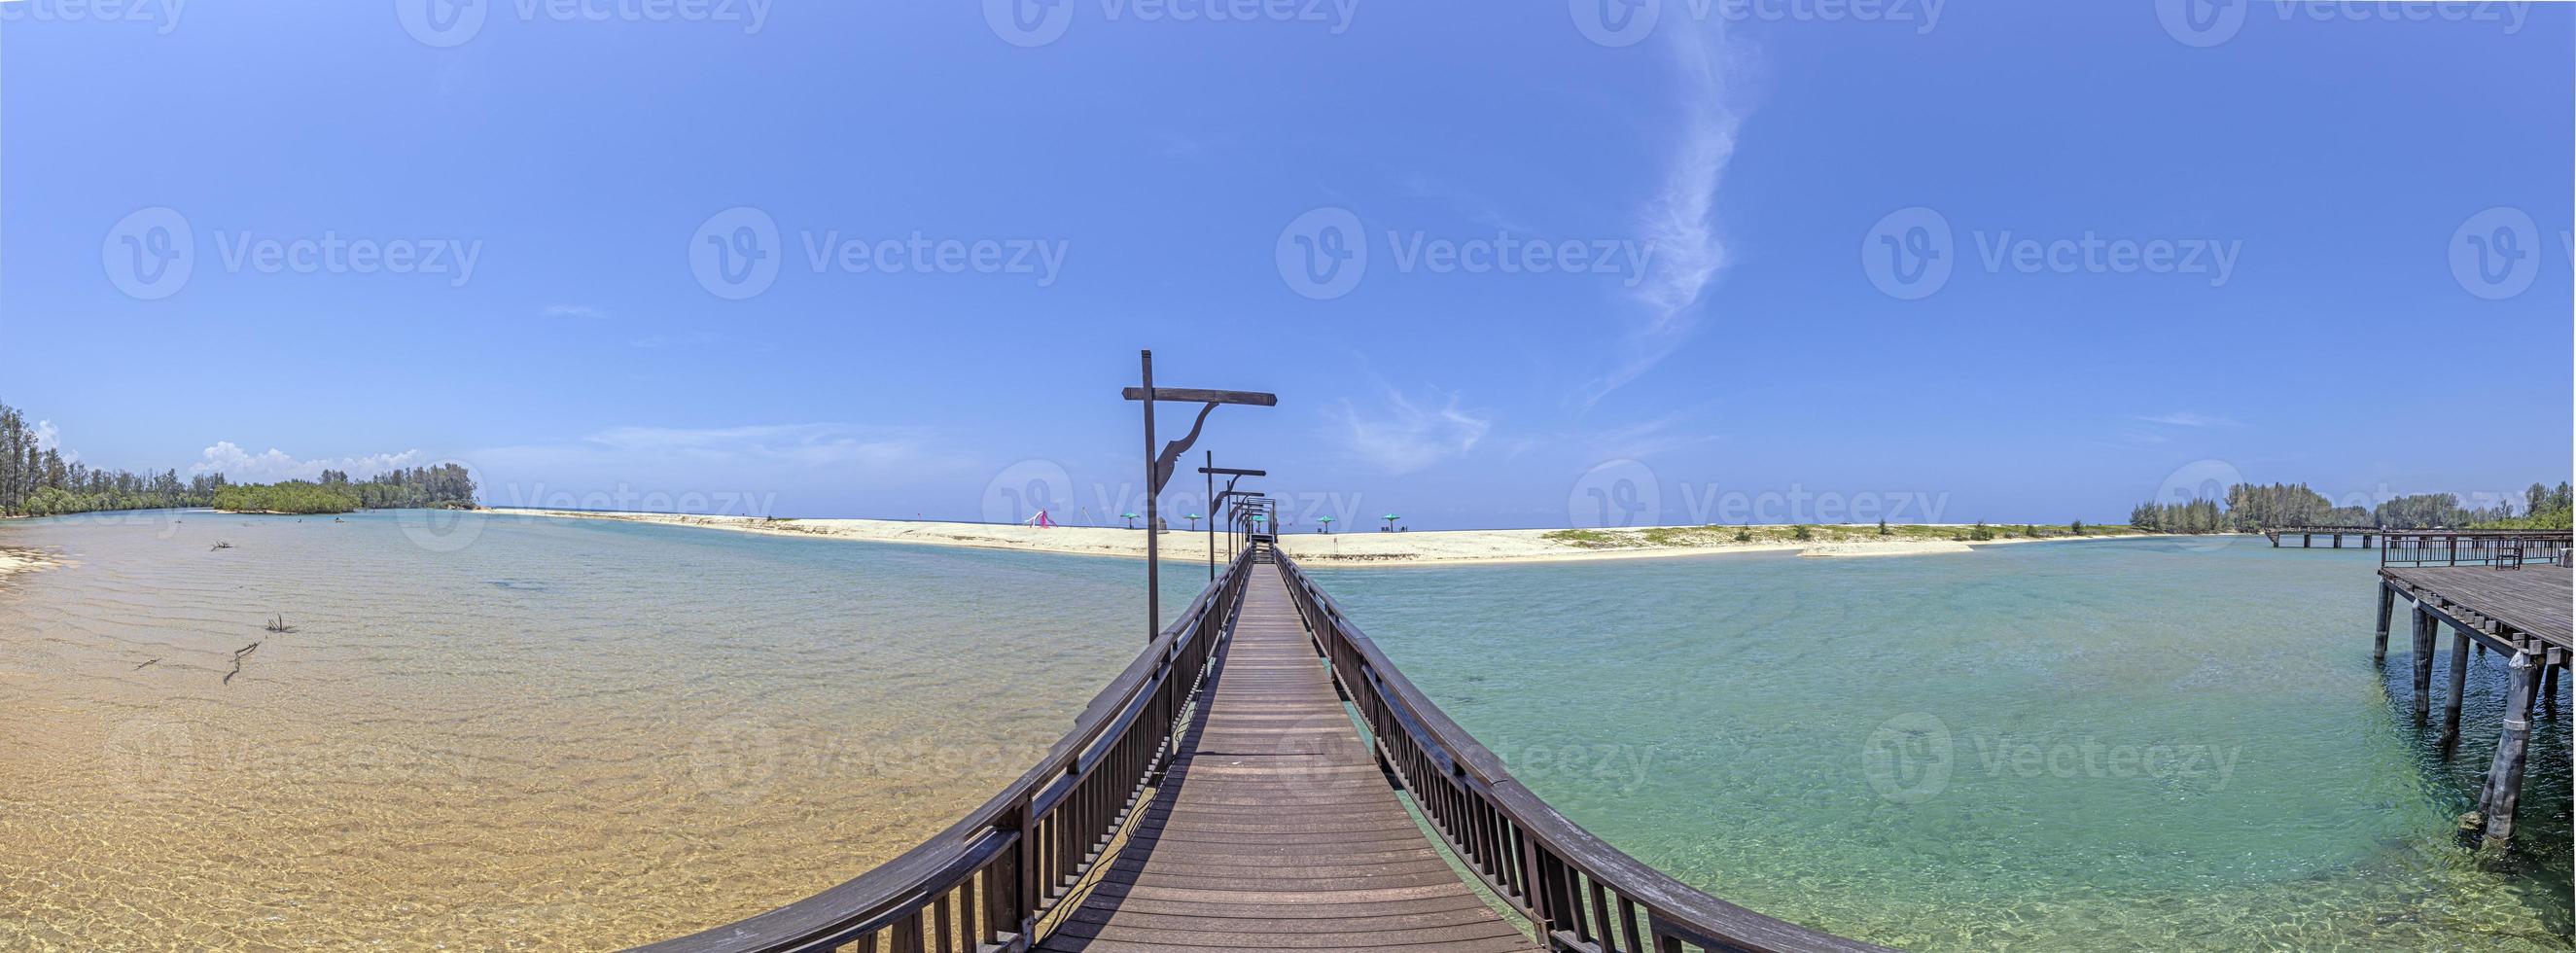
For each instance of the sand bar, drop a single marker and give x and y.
(1450, 547)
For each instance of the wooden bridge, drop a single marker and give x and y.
(2505, 591)
(1250, 782)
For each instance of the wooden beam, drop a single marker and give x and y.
(1194, 395)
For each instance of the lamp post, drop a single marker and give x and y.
(1232, 476)
(1159, 463)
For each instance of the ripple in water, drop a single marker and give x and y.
(504, 732)
(2130, 745)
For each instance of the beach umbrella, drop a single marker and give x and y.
(1194, 521)
(1327, 521)
(1131, 519)
(1390, 519)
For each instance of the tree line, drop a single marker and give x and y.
(2250, 507)
(36, 480)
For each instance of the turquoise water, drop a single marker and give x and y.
(515, 732)
(496, 732)
(2141, 745)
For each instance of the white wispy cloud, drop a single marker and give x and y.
(242, 466)
(795, 445)
(1402, 435)
(1646, 438)
(1689, 250)
(2185, 418)
(574, 311)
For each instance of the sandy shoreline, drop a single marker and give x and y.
(1441, 548)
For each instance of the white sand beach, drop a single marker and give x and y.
(1449, 547)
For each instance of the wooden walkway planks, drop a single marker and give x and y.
(2534, 599)
(1274, 829)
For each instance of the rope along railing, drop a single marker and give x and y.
(983, 884)
(1581, 893)
(2421, 548)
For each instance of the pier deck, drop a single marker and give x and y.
(1275, 829)
(2531, 602)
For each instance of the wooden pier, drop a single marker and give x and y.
(2307, 535)
(1220, 795)
(2494, 596)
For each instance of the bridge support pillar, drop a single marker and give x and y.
(2425, 627)
(2387, 603)
(2549, 690)
(2459, 688)
(2504, 780)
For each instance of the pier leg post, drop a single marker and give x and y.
(2504, 780)
(2459, 688)
(2387, 602)
(2307, 540)
(2425, 627)
(2549, 689)
(2338, 541)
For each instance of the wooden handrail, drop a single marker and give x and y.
(983, 883)
(1585, 895)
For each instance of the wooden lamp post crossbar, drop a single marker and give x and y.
(1159, 463)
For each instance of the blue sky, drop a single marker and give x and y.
(2261, 216)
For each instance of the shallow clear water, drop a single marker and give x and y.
(505, 732)
(2145, 745)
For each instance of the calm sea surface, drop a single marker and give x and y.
(514, 732)
(2134, 745)
(504, 732)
